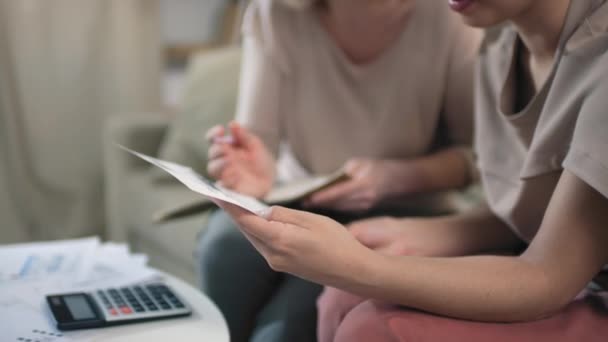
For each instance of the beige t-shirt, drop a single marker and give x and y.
(298, 88)
(522, 154)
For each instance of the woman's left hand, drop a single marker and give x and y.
(369, 182)
(307, 245)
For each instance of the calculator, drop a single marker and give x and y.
(114, 306)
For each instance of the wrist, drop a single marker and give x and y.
(401, 177)
(362, 276)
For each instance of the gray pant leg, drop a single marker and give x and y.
(234, 275)
(291, 314)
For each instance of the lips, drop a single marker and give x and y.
(460, 5)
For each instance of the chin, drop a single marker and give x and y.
(481, 19)
(480, 22)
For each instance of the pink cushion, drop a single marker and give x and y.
(585, 319)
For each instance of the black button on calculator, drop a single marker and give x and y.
(106, 307)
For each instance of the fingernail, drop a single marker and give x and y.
(265, 213)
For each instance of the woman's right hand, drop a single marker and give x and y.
(240, 161)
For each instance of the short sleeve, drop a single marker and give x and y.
(587, 157)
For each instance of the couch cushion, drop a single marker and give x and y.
(209, 99)
(170, 246)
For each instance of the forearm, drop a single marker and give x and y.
(443, 170)
(476, 231)
(567, 252)
(483, 288)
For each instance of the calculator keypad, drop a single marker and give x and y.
(144, 300)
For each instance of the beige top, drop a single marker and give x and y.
(298, 87)
(522, 154)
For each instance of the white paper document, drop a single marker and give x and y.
(45, 260)
(203, 186)
(29, 272)
(23, 323)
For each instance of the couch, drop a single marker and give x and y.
(136, 191)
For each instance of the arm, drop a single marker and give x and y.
(373, 181)
(568, 251)
(443, 170)
(473, 232)
(246, 161)
(259, 94)
(486, 288)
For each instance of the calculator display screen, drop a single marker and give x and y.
(79, 307)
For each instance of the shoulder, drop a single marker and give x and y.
(275, 28)
(592, 31)
(271, 22)
(585, 58)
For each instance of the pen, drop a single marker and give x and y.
(225, 139)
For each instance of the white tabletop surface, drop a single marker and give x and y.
(206, 323)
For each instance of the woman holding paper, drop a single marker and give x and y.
(380, 88)
(541, 139)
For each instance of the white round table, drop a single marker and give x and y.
(205, 324)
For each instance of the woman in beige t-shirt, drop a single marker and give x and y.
(382, 88)
(542, 142)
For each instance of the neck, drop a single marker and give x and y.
(541, 26)
(364, 33)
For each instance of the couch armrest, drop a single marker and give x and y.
(143, 133)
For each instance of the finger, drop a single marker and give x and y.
(298, 218)
(295, 218)
(253, 224)
(352, 167)
(215, 132)
(216, 167)
(258, 244)
(390, 249)
(333, 193)
(370, 235)
(241, 135)
(230, 178)
(218, 151)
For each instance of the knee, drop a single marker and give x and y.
(222, 249)
(332, 306)
(217, 239)
(223, 254)
(369, 321)
(283, 330)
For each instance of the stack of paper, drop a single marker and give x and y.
(29, 272)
